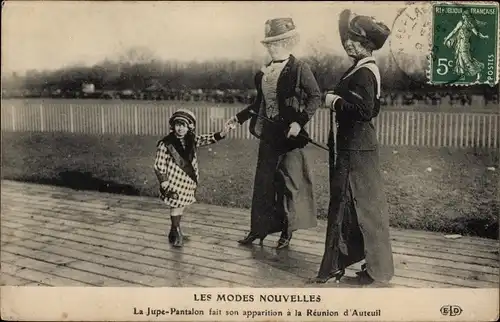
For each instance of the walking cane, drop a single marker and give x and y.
(302, 136)
(331, 146)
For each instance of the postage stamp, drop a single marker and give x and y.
(464, 47)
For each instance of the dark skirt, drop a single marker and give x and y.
(358, 223)
(283, 194)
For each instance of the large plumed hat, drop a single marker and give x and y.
(279, 29)
(185, 116)
(362, 28)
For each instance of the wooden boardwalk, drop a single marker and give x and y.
(55, 236)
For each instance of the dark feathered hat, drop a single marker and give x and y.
(363, 29)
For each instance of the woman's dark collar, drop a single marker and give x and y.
(290, 59)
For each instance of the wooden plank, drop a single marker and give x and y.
(39, 277)
(239, 227)
(8, 239)
(284, 265)
(451, 244)
(29, 259)
(349, 279)
(219, 213)
(448, 271)
(215, 211)
(297, 257)
(121, 268)
(430, 276)
(11, 280)
(123, 241)
(76, 243)
(318, 259)
(485, 255)
(40, 255)
(216, 258)
(414, 243)
(7, 257)
(319, 251)
(442, 263)
(151, 222)
(146, 280)
(315, 257)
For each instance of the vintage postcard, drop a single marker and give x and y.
(250, 161)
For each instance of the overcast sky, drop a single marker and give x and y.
(49, 35)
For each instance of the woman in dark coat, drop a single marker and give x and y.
(358, 224)
(288, 96)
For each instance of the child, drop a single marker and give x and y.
(176, 167)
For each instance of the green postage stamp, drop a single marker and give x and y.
(464, 44)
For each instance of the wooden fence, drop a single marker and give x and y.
(394, 128)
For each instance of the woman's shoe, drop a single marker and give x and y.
(364, 278)
(337, 275)
(363, 269)
(179, 240)
(284, 241)
(250, 238)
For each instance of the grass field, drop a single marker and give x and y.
(459, 195)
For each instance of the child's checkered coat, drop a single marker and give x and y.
(179, 168)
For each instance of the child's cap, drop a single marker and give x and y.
(185, 116)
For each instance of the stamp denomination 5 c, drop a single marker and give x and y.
(464, 44)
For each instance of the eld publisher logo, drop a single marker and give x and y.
(451, 310)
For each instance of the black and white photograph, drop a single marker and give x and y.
(193, 146)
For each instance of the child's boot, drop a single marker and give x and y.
(173, 232)
(172, 235)
(179, 238)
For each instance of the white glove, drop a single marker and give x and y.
(231, 124)
(330, 100)
(294, 130)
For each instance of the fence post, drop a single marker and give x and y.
(71, 118)
(489, 131)
(136, 120)
(102, 119)
(42, 125)
(467, 130)
(13, 118)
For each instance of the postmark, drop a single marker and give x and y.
(410, 40)
(464, 47)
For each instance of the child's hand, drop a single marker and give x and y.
(225, 131)
(227, 128)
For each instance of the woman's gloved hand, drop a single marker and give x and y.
(330, 100)
(294, 130)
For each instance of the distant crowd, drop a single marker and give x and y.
(235, 96)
